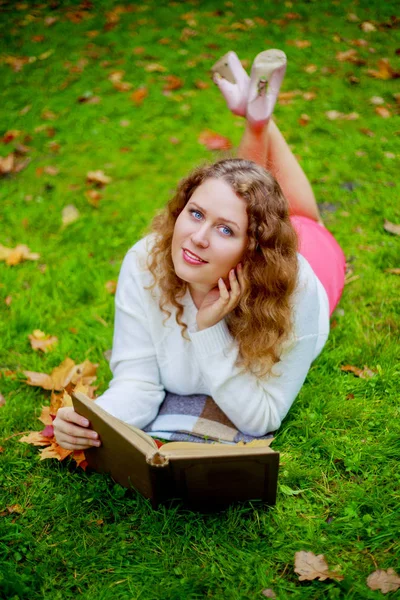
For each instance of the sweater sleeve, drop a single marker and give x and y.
(135, 391)
(257, 405)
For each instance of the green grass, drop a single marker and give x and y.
(339, 480)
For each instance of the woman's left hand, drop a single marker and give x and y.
(220, 301)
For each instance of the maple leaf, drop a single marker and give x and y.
(67, 372)
(385, 581)
(365, 373)
(14, 256)
(214, 141)
(173, 83)
(69, 215)
(385, 71)
(139, 95)
(55, 451)
(391, 227)
(41, 341)
(309, 566)
(98, 177)
(36, 438)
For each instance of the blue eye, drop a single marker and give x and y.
(194, 211)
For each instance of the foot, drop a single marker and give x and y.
(267, 74)
(233, 81)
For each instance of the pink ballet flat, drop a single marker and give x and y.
(233, 81)
(269, 67)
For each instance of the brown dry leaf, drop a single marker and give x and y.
(2, 400)
(367, 132)
(93, 197)
(69, 214)
(155, 68)
(391, 227)
(214, 141)
(269, 593)
(201, 85)
(385, 581)
(122, 86)
(40, 341)
(10, 135)
(332, 115)
(304, 119)
(111, 286)
(311, 68)
(116, 76)
(67, 372)
(385, 71)
(14, 256)
(36, 439)
(309, 96)
(367, 27)
(285, 98)
(55, 451)
(299, 43)
(173, 83)
(351, 56)
(383, 112)
(7, 164)
(49, 170)
(139, 95)
(309, 566)
(392, 271)
(364, 373)
(98, 177)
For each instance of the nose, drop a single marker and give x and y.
(200, 236)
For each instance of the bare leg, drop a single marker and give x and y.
(267, 147)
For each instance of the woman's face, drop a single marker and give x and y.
(213, 227)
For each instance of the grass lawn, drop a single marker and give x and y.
(78, 534)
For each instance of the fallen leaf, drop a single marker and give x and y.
(55, 451)
(98, 177)
(14, 256)
(2, 400)
(36, 439)
(367, 132)
(93, 197)
(304, 119)
(364, 373)
(69, 214)
(155, 68)
(332, 115)
(111, 286)
(269, 593)
(62, 375)
(122, 86)
(299, 43)
(383, 112)
(309, 566)
(351, 56)
(201, 85)
(139, 95)
(367, 27)
(385, 581)
(393, 271)
(391, 227)
(7, 164)
(385, 70)
(173, 83)
(214, 141)
(40, 341)
(311, 68)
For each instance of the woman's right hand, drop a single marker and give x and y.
(71, 430)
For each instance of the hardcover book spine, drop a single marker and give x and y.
(162, 483)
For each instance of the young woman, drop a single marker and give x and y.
(231, 293)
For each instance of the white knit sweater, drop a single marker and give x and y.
(150, 357)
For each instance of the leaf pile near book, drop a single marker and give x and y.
(205, 476)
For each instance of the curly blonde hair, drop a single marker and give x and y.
(262, 321)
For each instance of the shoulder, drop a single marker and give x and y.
(137, 255)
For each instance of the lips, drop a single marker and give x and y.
(193, 255)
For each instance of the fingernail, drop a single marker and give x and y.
(85, 422)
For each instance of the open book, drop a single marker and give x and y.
(205, 476)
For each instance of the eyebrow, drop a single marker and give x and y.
(218, 218)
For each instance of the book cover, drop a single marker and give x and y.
(204, 476)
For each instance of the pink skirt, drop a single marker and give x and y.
(324, 254)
